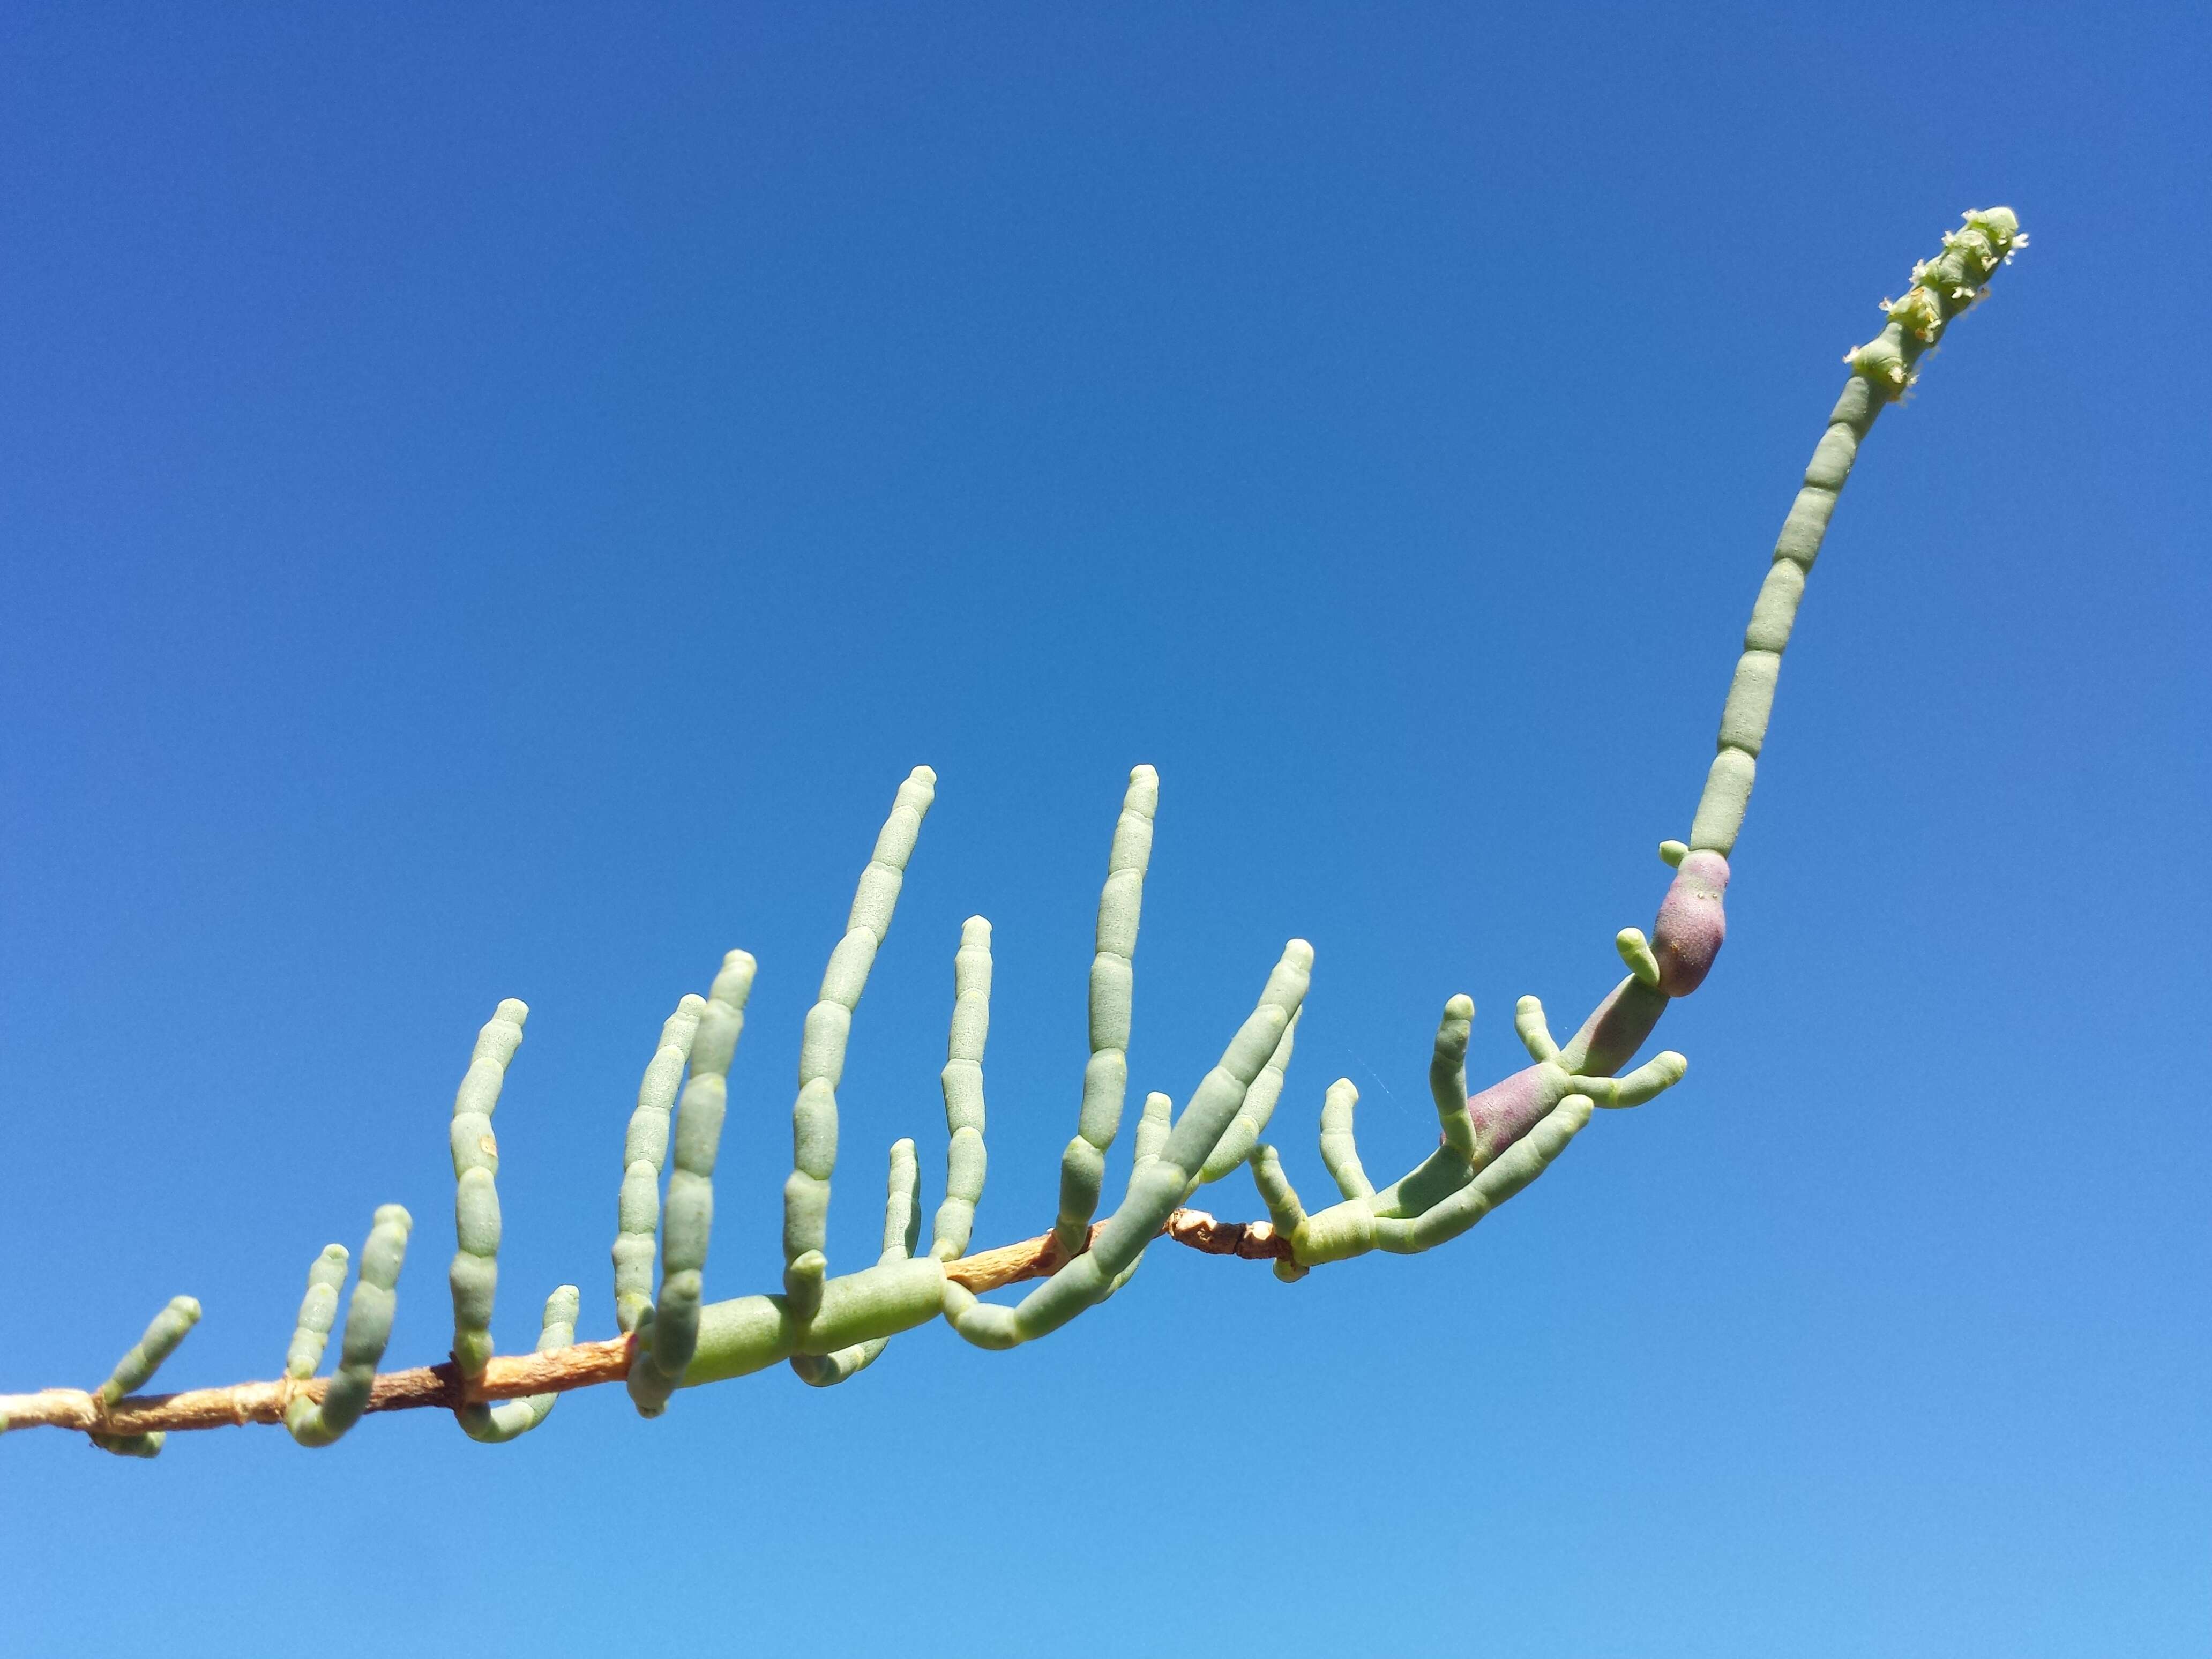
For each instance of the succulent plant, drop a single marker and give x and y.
(1492, 1143)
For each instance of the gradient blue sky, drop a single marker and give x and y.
(494, 504)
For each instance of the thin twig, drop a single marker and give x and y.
(583, 1366)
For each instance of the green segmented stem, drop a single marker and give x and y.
(828, 1025)
(1339, 1148)
(1112, 980)
(1646, 1083)
(318, 1311)
(748, 1333)
(1615, 1030)
(810, 1294)
(1636, 951)
(1447, 1078)
(902, 1233)
(368, 1328)
(1276, 1191)
(1519, 1164)
(645, 1150)
(1251, 1120)
(1533, 1031)
(1491, 1148)
(1882, 371)
(671, 1329)
(136, 1369)
(1751, 693)
(966, 1158)
(1156, 1186)
(1428, 1183)
(474, 1275)
(1284, 1209)
(1154, 1125)
(510, 1419)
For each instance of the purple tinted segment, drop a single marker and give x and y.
(1615, 1030)
(1691, 923)
(1506, 1111)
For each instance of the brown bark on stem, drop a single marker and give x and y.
(510, 1377)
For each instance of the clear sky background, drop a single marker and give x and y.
(493, 505)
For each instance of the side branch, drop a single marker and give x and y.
(580, 1365)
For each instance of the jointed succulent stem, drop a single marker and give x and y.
(475, 1272)
(136, 1370)
(318, 1421)
(645, 1150)
(966, 1159)
(1491, 1144)
(1113, 977)
(671, 1333)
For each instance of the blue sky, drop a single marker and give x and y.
(495, 504)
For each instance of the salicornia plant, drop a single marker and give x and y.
(828, 1327)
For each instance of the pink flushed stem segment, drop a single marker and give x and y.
(1692, 923)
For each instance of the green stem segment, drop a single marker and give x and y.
(966, 1158)
(645, 1151)
(494, 1423)
(902, 1233)
(671, 1328)
(474, 1275)
(1493, 1145)
(821, 1044)
(1156, 1186)
(1693, 919)
(1112, 980)
(1883, 370)
(368, 1328)
(136, 1369)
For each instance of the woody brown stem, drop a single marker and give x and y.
(581, 1365)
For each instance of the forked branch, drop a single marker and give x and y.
(828, 1328)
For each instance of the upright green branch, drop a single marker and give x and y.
(671, 1326)
(1113, 981)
